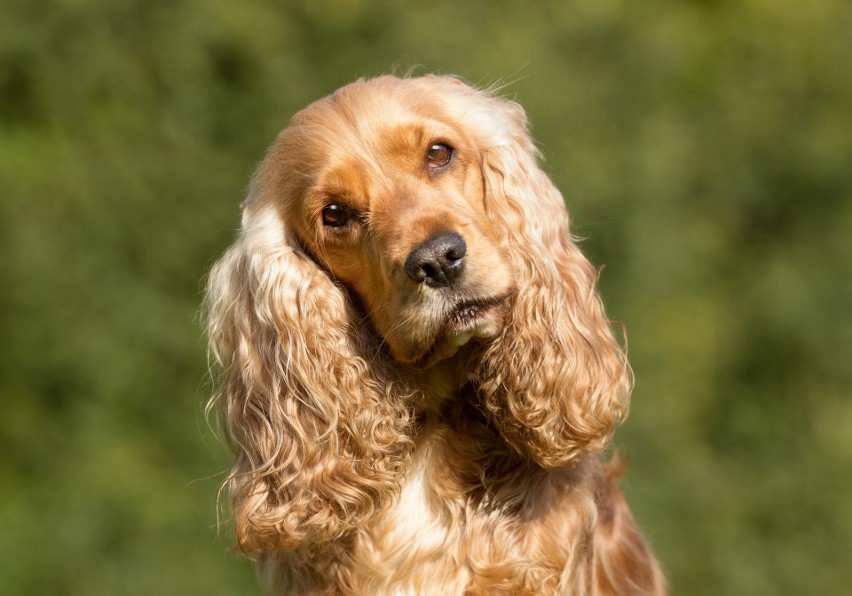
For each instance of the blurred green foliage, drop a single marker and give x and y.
(704, 148)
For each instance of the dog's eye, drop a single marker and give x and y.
(336, 215)
(439, 155)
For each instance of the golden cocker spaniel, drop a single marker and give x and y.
(416, 372)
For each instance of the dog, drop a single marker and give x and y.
(416, 373)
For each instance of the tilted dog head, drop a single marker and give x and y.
(389, 225)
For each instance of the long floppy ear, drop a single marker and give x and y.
(320, 433)
(555, 382)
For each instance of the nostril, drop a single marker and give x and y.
(427, 271)
(456, 252)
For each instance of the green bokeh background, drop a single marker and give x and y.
(704, 148)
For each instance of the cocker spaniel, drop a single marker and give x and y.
(416, 372)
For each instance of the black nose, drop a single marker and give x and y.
(437, 261)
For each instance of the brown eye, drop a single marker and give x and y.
(336, 215)
(439, 155)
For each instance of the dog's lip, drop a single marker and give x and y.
(460, 325)
(467, 312)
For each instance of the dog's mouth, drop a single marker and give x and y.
(466, 321)
(467, 314)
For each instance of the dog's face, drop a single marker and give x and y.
(386, 193)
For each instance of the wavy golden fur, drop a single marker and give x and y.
(416, 369)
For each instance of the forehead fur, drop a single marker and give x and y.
(358, 119)
(383, 116)
(362, 117)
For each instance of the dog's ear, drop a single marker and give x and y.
(555, 382)
(320, 433)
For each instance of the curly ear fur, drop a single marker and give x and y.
(556, 382)
(320, 433)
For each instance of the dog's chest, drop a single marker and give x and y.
(451, 527)
(455, 529)
(421, 539)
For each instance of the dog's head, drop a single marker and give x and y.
(390, 224)
(382, 185)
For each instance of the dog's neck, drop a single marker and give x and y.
(441, 381)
